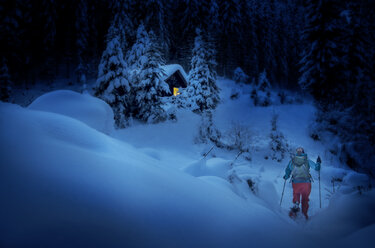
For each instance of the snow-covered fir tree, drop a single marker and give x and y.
(278, 144)
(261, 93)
(202, 90)
(213, 16)
(133, 57)
(150, 85)
(112, 84)
(239, 76)
(5, 81)
(207, 130)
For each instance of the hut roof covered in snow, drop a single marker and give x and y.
(170, 70)
(175, 76)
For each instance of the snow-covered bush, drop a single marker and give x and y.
(238, 137)
(235, 93)
(285, 98)
(207, 130)
(278, 144)
(203, 93)
(239, 76)
(112, 84)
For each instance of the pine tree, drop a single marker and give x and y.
(195, 14)
(202, 90)
(150, 85)
(249, 45)
(213, 17)
(231, 36)
(156, 19)
(321, 63)
(292, 23)
(267, 37)
(49, 39)
(133, 57)
(207, 130)
(278, 144)
(9, 33)
(49, 15)
(82, 28)
(261, 94)
(5, 82)
(356, 131)
(121, 10)
(192, 14)
(113, 86)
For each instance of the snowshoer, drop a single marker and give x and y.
(299, 168)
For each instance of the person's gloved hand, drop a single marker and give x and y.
(285, 177)
(318, 160)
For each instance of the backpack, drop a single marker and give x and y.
(300, 168)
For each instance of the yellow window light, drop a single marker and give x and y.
(175, 92)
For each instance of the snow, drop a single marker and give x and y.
(66, 182)
(171, 69)
(83, 107)
(105, 187)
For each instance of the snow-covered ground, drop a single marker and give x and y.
(67, 180)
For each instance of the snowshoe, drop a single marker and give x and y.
(294, 211)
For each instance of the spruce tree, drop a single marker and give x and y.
(82, 28)
(133, 57)
(249, 46)
(149, 86)
(5, 82)
(113, 86)
(156, 19)
(49, 39)
(322, 59)
(202, 91)
(121, 10)
(230, 35)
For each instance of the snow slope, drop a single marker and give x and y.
(70, 175)
(68, 184)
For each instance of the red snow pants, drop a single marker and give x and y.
(302, 190)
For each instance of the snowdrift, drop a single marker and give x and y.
(90, 110)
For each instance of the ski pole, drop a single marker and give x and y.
(205, 155)
(282, 195)
(238, 154)
(320, 195)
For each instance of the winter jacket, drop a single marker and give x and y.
(299, 168)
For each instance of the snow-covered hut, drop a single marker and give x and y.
(175, 77)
